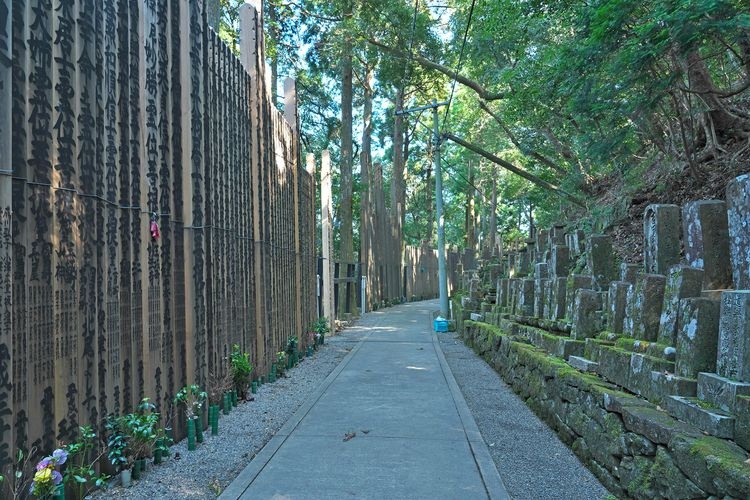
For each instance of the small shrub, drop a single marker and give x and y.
(241, 369)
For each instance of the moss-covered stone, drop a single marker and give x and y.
(714, 465)
(621, 450)
(635, 476)
(668, 481)
(742, 421)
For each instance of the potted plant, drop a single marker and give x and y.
(192, 398)
(321, 328)
(219, 384)
(280, 364)
(83, 456)
(241, 369)
(142, 429)
(291, 350)
(120, 455)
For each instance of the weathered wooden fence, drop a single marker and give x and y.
(116, 118)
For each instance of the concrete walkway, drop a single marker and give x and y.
(389, 422)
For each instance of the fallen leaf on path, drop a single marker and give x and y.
(365, 431)
(349, 435)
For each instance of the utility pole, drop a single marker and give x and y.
(442, 273)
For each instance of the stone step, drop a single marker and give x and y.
(720, 391)
(583, 364)
(701, 414)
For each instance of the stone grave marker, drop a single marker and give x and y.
(574, 283)
(618, 295)
(586, 320)
(738, 215)
(643, 309)
(682, 282)
(560, 262)
(706, 240)
(661, 238)
(600, 260)
(629, 272)
(733, 356)
(697, 336)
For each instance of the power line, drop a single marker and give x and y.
(458, 66)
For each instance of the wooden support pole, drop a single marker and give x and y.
(326, 214)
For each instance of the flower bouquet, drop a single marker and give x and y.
(47, 482)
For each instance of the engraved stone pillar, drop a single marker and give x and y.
(502, 292)
(574, 283)
(738, 213)
(600, 260)
(661, 238)
(560, 261)
(706, 240)
(558, 299)
(644, 305)
(618, 294)
(733, 356)
(542, 243)
(682, 282)
(697, 336)
(540, 280)
(526, 298)
(629, 272)
(586, 316)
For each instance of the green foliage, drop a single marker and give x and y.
(281, 360)
(241, 369)
(14, 483)
(292, 345)
(83, 456)
(192, 398)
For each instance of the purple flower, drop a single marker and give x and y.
(43, 463)
(56, 477)
(60, 456)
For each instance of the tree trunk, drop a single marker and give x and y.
(366, 228)
(469, 224)
(346, 250)
(725, 124)
(492, 229)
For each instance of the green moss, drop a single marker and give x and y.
(628, 343)
(728, 458)
(706, 405)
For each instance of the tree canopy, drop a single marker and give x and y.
(551, 100)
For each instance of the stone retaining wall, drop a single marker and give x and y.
(635, 449)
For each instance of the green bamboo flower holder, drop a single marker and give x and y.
(234, 398)
(199, 429)
(254, 388)
(191, 434)
(215, 420)
(227, 404)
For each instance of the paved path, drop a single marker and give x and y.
(389, 422)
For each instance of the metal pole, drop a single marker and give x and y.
(442, 275)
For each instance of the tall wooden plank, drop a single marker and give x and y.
(6, 238)
(249, 43)
(86, 154)
(20, 91)
(175, 369)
